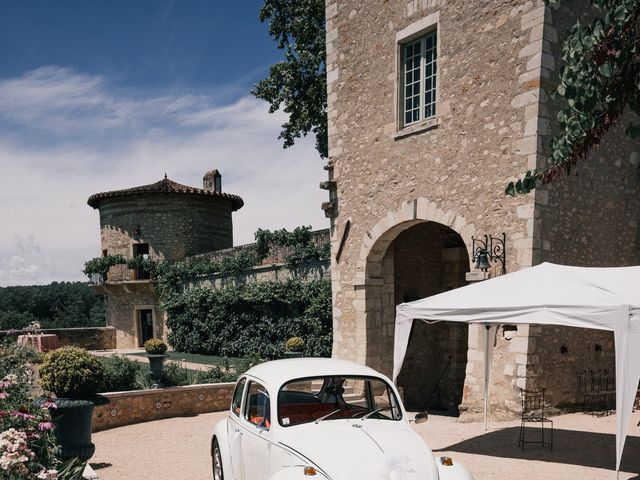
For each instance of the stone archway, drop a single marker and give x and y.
(411, 253)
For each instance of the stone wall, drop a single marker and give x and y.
(138, 406)
(277, 255)
(589, 218)
(91, 338)
(274, 273)
(121, 303)
(452, 172)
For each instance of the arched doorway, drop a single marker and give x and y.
(418, 259)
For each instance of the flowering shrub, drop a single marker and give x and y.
(26, 440)
(27, 443)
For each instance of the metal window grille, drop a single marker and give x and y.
(419, 79)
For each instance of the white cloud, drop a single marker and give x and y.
(72, 135)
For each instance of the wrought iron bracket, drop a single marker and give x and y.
(489, 249)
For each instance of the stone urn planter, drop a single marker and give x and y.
(74, 376)
(73, 418)
(156, 349)
(156, 365)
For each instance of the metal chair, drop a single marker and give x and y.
(533, 412)
(599, 399)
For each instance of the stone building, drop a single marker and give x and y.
(433, 106)
(164, 220)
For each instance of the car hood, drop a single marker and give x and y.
(368, 449)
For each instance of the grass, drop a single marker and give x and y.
(196, 358)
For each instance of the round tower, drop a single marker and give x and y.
(166, 220)
(163, 220)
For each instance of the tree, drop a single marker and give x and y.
(297, 84)
(600, 78)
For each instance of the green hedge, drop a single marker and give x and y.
(255, 318)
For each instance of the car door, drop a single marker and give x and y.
(256, 434)
(235, 431)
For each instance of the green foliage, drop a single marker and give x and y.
(142, 264)
(101, 265)
(253, 318)
(242, 319)
(297, 84)
(120, 374)
(301, 247)
(71, 372)
(155, 346)
(57, 305)
(599, 81)
(295, 344)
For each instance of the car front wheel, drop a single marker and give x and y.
(216, 459)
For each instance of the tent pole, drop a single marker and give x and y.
(487, 371)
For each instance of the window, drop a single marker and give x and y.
(336, 398)
(258, 409)
(419, 65)
(237, 397)
(141, 250)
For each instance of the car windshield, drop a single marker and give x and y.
(329, 398)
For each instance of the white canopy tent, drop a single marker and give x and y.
(547, 294)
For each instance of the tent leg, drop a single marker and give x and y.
(487, 371)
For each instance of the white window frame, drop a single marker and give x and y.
(418, 30)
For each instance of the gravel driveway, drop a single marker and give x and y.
(584, 449)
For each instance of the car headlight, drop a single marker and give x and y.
(310, 471)
(446, 461)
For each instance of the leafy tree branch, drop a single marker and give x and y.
(600, 78)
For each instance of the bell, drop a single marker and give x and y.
(482, 260)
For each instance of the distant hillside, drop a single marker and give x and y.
(57, 305)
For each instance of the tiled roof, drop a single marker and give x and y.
(164, 186)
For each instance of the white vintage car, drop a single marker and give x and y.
(323, 418)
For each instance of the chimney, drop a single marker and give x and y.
(212, 181)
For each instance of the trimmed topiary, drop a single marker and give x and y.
(295, 344)
(155, 346)
(71, 372)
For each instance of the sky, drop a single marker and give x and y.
(103, 95)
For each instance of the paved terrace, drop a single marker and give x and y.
(584, 448)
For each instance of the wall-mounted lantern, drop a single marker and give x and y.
(491, 249)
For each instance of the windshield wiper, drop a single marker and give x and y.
(327, 415)
(381, 409)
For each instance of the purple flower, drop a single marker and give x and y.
(24, 414)
(42, 426)
(49, 403)
(5, 383)
(3, 395)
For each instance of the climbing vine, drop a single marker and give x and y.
(599, 79)
(240, 319)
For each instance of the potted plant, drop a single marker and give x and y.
(294, 347)
(74, 376)
(156, 349)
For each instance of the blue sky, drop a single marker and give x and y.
(101, 95)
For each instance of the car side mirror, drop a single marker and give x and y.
(421, 417)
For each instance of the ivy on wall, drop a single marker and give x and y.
(252, 318)
(599, 83)
(241, 319)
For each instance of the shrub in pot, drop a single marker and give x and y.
(74, 376)
(156, 349)
(294, 347)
